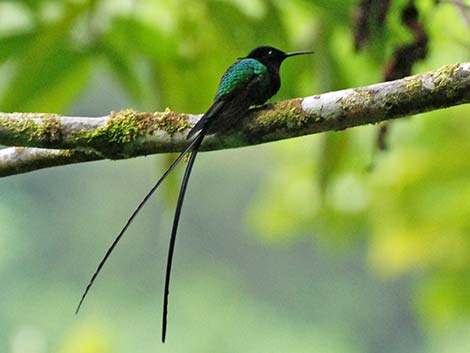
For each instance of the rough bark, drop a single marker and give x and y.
(44, 140)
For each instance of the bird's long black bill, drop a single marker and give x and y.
(131, 218)
(298, 53)
(174, 230)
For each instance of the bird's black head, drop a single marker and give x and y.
(272, 56)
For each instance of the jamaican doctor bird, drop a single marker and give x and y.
(248, 82)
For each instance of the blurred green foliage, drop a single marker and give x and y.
(406, 220)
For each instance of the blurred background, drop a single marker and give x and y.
(352, 241)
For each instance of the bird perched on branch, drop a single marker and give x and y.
(248, 82)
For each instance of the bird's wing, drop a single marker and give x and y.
(233, 93)
(213, 110)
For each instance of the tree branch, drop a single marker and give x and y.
(51, 140)
(16, 160)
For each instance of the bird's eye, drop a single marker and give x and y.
(270, 52)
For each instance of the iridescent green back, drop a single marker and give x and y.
(246, 83)
(240, 75)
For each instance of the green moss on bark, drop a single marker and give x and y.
(45, 128)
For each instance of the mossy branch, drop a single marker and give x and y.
(45, 140)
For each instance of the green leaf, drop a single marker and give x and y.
(64, 85)
(47, 62)
(130, 47)
(123, 65)
(143, 39)
(15, 45)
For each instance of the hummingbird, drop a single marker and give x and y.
(248, 82)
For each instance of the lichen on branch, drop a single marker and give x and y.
(49, 139)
